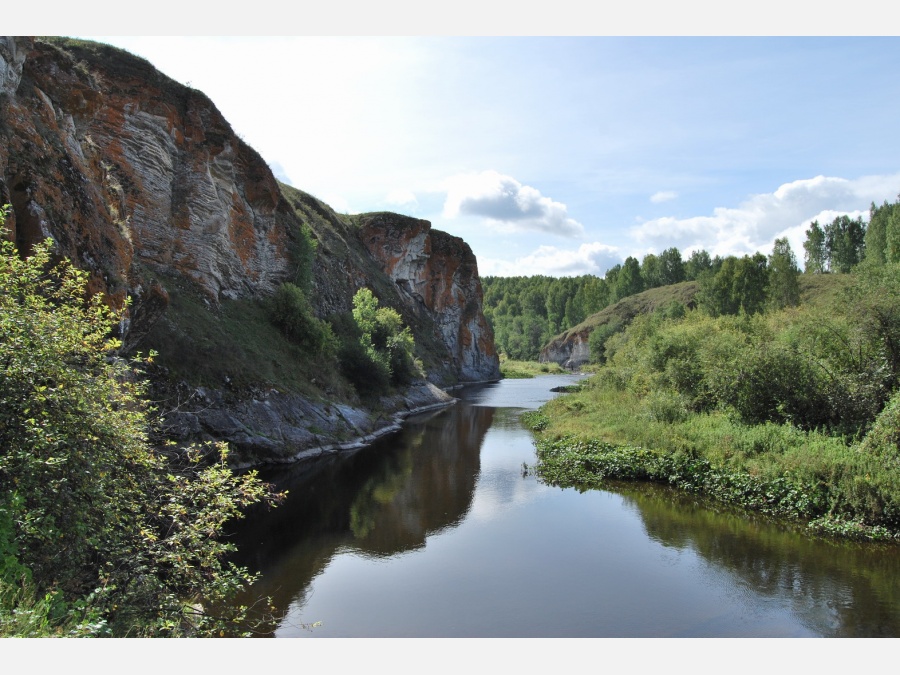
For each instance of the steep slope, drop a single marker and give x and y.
(140, 181)
(571, 349)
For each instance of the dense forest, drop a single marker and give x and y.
(779, 392)
(527, 312)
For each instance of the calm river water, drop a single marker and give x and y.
(436, 531)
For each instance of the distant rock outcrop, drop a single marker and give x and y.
(572, 349)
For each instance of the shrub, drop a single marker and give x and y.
(387, 342)
(102, 522)
(598, 337)
(290, 310)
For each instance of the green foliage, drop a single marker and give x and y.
(628, 280)
(815, 256)
(290, 310)
(126, 536)
(793, 412)
(740, 285)
(845, 243)
(784, 276)
(598, 337)
(377, 350)
(876, 233)
(521, 370)
(525, 312)
(697, 264)
(892, 235)
(873, 307)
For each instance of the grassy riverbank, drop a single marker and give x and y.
(520, 370)
(587, 437)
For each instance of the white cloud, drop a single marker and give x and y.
(401, 198)
(592, 258)
(280, 173)
(665, 196)
(507, 205)
(755, 223)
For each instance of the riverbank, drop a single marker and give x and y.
(275, 427)
(520, 370)
(837, 488)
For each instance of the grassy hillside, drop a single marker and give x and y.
(815, 289)
(626, 309)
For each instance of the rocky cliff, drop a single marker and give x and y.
(141, 181)
(437, 276)
(570, 350)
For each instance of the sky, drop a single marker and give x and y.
(564, 155)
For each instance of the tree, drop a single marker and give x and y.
(672, 266)
(120, 535)
(784, 275)
(815, 260)
(739, 285)
(651, 271)
(892, 235)
(697, 264)
(751, 282)
(876, 233)
(628, 280)
(845, 240)
(387, 342)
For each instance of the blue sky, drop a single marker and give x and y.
(565, 155)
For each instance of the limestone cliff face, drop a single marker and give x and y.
(134, 176)
(141, 181)
(570, 351)
(437, 275)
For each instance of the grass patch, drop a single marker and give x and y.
(236, 347)
(520, 370)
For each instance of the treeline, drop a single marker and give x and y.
(527, 312)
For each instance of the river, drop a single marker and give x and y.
(437, 531)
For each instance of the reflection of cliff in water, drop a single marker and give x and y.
(380, 501)
(831, 586)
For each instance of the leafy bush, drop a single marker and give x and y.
(290, 310)
(106, 525)
(598, 337)
(388, 343)
(369, 377)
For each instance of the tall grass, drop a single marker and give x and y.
(605, 431)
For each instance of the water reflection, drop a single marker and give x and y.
(435, 531)
(834, 588)
(383, 500)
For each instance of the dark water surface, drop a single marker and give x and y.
(435, 531)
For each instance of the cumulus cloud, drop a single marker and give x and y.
(508, 205)
(665, 196)
(754, 224)
(593, 258)
(401, 198)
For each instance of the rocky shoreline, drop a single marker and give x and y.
(281, 428)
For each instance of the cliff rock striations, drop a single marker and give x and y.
(141, 181)
(437, 277)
